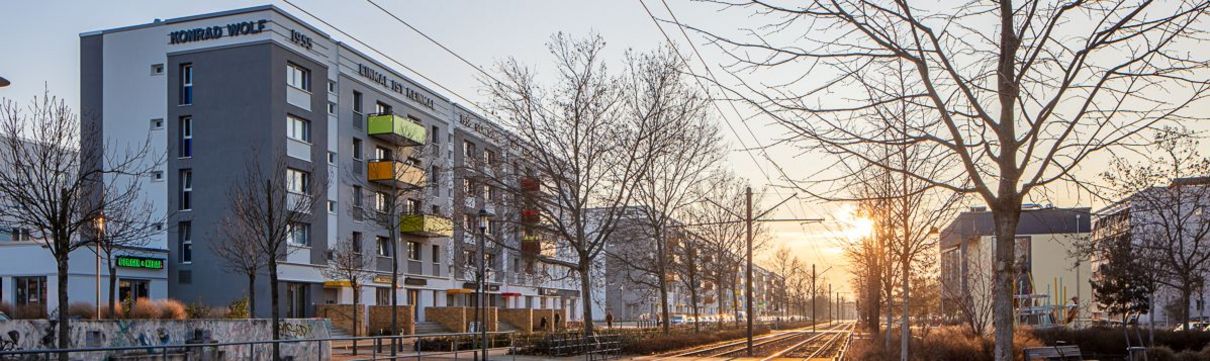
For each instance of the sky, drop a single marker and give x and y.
(39, 48)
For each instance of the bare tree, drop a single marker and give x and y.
(1017, 94)
(657, 91)
(271, 205)
(721, 234)
(347, 263)
(239, 254)
(580, 145)
(122, 229)
(59, 178)
(1168, 195)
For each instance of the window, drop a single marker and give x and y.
(436, 254)
(157, 69)
(157, 123)
(298, 128)
(414, 206)
(382, 296)
(382, 108)
(468, 221)
(331, 108)
(381, 201)
(331, 206)
(489, 192)
(298, 77)
(357, 196)
(130, 290)
(298, 181)
(468, 150)
(186, 199)
(30, 290)
(356, 240)
(331, 86)
(357, 102)
(381, 153)
(468, 257)
(299, 234)
(185, 138)
(185, 239)
(384, 247)
(186, 84)
(414, 250)
(356, 149)
(331, 157)
(433, 174)
(436, 131)
(489, 157)
(18, 234)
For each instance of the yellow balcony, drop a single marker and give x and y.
(391, 172)
(426, 225)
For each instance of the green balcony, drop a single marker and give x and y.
(396, 129)
(426, 225)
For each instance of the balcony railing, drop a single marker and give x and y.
(393, 172)
(426, 225)
(396, 129)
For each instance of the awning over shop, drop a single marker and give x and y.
(459, 291)
(337, 284)
(511, 294)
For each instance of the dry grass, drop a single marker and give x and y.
(171, 309)
(81, 310)
(144, 309)
(942, 344)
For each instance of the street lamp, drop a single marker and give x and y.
(481, 316)
(4, 82)
(100, 225)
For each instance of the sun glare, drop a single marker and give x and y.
(855, 226)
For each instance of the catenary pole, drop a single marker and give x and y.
(748, 268)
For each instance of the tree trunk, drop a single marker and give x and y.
(64, 341)
(905, 330)
(356, 302)
(1186, 297)
(887, 336)
(693, 301)
(275, 306)
(252, 295)
(586, 292)
(113, 285)
(664, 300)
(1006, 216)
(395, 288)
(1151, 324)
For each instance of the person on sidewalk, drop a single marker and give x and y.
(608, 319)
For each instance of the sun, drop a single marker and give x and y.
(855, 226)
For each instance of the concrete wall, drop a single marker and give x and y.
(41, 334)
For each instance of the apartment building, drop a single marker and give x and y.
(1174, 213)
(1047, 276)
(219, 91)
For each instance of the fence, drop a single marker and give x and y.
(401, 347)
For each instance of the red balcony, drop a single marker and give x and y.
(530, 184)
(530, 216)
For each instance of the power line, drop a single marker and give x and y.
(388, 57)
(734, 109)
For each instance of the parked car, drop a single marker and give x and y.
(1193, 325)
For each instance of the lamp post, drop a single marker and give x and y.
(481, 307)
(4, 82)
(100, 224)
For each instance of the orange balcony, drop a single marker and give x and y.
(392, 172)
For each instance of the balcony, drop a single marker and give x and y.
(393, 172)
(396, 129)
(426, 225)
(530, 184)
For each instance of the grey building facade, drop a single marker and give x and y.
(219, 92)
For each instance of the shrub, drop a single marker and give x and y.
(81, 310)
(1160, 353)
(118, 310)
(238, 309)
(171, 309)
(650, 343)
(29, 312)
(144, 309)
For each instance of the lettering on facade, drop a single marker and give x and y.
(217, 32)
(301, 39)
(395, 86)
(140, 262)
(469, 121)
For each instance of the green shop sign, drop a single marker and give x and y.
(140, 262)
